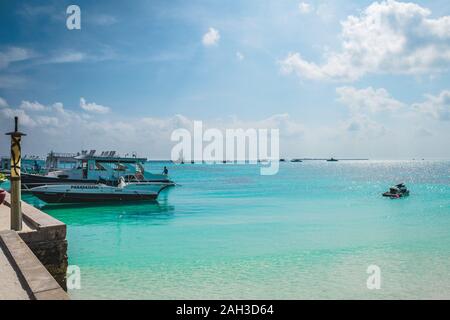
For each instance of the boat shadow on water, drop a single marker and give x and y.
(149, 212)
(152, 213)
(95, 206)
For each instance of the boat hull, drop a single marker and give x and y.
(395, 195)
(30, 181)
(61, 197)
(33, 180)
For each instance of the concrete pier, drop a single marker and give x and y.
(33, 261)
(11, 288)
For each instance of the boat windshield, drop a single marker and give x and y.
(99, 167)
(119, 167)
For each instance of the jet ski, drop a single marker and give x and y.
(397, 191)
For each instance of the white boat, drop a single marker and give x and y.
(89, 168)
(81, 193)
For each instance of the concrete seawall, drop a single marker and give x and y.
(43, 235)
(27, 278)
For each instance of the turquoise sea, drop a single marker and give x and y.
(309, 232)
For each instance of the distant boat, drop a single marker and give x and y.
(332, 160)
(296, 160)
(397, 191)
(180, 159)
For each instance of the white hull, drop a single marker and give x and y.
(78, 193)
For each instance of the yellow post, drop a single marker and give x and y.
(16, 209)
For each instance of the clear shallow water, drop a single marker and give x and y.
(308, 232)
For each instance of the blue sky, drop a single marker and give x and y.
(137, 70)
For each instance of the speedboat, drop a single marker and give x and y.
(81, 193)
(397, 191)
(148, 185)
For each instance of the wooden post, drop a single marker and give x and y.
(16, 209)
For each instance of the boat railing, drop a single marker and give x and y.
(62, 155)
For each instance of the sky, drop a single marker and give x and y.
(338, 78)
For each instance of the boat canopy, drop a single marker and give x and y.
(103, 159)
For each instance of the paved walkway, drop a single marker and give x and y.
(22, 275)
(33, 276)
(10, 283)
(5, 219)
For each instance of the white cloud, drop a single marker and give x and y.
(368, 99)
(67, 57)
(3, 103)
(11, 81)
(362, 125)
(36, 10)
(13, 54)
(289, 128)
(387, 37)
(422, 132)
(358, 136)
(437, 107)
(240, 56)
(325, 12)
(103, 20)
(70, 56)
(93, 107)
(372, 101)
(53, 128)
(304, 7)
(25, 119)
(47, 121)
(211, 38)
(32, 106)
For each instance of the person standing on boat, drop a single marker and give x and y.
(165, 171)
(36, 167)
